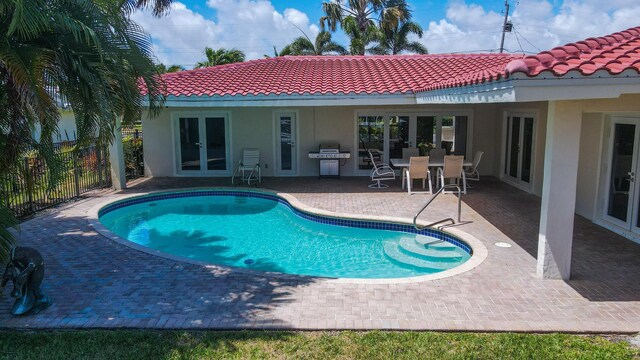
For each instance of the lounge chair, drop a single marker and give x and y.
(418, 169)
(453, 170)
(380, 172)
(248, 168)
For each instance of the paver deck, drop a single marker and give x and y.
(97, 283)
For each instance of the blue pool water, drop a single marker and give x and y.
(266, 234)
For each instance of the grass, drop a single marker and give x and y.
(121, 344)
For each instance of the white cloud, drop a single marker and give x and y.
(253, 26)
(469, 27)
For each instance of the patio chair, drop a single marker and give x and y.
(452, 170)
(248, 168)
(418, 169)
(363, 151)
(380, 172)
(409, 152)
(437, 155)
(471, 172)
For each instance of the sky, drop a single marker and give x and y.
(456, 26)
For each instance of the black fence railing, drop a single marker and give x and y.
(31, 190)
(133, 153)
(135, 133)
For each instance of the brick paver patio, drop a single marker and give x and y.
(96, 282)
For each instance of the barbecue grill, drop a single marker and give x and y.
(329, 156)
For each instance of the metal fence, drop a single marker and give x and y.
(30, 191)
(131, 133)
(133, 153)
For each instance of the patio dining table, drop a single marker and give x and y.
(404, 164)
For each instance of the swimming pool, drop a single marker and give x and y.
(262, 231)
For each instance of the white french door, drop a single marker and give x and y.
(623, 191)
(386, 134)
(286, 152)
(519, 139)
(202, 144)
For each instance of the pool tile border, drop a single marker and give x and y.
(467, 242)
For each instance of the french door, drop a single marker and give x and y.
(623, 191)
(386, 134)
(518, 150)
(286, 153)
(202, 144)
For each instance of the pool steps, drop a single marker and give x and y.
(421, 252)
(433, 252)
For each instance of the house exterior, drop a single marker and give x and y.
(563, 124)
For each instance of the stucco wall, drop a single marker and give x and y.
(158, 145)
(590, 147)
(485, 137)
(254, 127)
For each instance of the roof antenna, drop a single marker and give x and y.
(506, 26)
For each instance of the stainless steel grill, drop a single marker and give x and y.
(329, 156)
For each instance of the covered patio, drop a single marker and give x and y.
(96, 282)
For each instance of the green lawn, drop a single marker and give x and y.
(120, 344)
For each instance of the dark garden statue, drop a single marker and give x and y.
(26, 270)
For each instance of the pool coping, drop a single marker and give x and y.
(479, 250)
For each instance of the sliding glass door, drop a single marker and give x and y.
(622, 199)
(518, 150)
(202, 144)
(371, 140)
(385, 135)
(190, 145)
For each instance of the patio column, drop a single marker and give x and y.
(116, 158)
(559, 190)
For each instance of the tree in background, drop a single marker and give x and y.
(323, 45)
(385, 14)
(163, 69)
(396, 40)
(88, 51)
(284, 52)
(359, 40)
(159, 7)
(220, 56)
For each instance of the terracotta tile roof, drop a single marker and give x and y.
(612, 54)
(403, 74)
(327, 75)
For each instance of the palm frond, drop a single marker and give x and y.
(88, 51)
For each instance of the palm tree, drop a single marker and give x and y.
(284, 52)
(88, 51)
(395, 41)
(220, 56)
(358, 40)
(163, 69)
(367, 13)
(159, 7)
(323, 45)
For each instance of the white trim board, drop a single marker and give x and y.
(290, 100)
